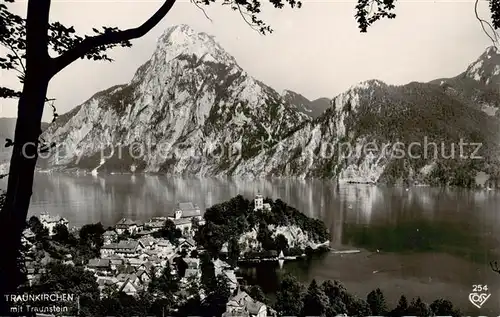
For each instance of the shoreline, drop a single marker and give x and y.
(334, 181)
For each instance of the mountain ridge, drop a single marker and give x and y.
(193, 96)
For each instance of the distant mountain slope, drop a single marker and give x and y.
(371, 115)
(311, 108)
(479, 85)
(7, 128)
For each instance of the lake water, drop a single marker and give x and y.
(433, 243)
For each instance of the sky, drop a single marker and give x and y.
(316, 50)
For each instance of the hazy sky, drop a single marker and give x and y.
(316, 50)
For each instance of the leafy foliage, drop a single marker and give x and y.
(61, 40)
(217, 296)
(91, 240)
(289, 297)
(315, 301)
(69, 279)
(166, 285)
(229, 220)
(376, 301)
(366, 16)
(255, 291)
(170, 232)
(38, 229)
(443, 307)
(61, 233)
(2, 199)
(331, 298)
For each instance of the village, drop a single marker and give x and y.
(127, 265)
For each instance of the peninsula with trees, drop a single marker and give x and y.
(262, 228)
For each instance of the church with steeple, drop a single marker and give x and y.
(259, 203)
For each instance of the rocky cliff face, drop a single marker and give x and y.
(379, 133)
(192, 110)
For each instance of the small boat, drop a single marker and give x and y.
(345, 251)
(281, 255)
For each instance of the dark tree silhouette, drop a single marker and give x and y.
(61, 233)
(30, 40)
(289, 297)
(170, 232)
(315, 301)
(377, 303)
(256, 292)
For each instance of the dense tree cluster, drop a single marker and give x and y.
(331, 299)
(170, 232)
(82, 245)
(2, 199)
(229, 220)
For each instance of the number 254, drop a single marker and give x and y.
(479, 288)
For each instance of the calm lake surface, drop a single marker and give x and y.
(433, 243)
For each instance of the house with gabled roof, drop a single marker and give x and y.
(28, 234)
(243, 305)
(223, 268)
(106, 281)
(146, 266)
(127, 249)
(50, 222)
(186, 211)
(128, 287)
(99, 266)
(109, 236)
(186, 244)
(143, 276)
(126, 224)
(154, 225)
(135, 262)
(148, 242)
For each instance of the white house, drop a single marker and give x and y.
(186, 210)
(259, 203)
(50, 222)
(128, 287)
(183, 224)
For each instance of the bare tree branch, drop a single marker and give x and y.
(89, 43)
(483, 22)
(195, 2)
(253, 26)
(494, 266)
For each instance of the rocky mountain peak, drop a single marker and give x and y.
(182, 39)
(182, 43)
(486, 69)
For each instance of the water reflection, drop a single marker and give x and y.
(108, 198)
(432, 241)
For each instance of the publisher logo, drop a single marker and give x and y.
(479, 295)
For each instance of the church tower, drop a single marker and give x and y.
(259, 202)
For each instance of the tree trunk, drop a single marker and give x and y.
(24, 155)
(22, 166)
